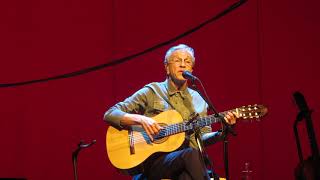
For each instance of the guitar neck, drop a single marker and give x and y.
(244, 112)
(186, 126)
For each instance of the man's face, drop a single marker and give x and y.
(179, 61)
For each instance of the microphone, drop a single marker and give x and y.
(188, 75)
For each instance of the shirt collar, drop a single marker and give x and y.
(172, 90)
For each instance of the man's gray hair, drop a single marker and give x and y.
(179, 47)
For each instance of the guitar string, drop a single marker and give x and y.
(168, 131)
(142, 136)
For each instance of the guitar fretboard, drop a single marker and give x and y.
(185, 126)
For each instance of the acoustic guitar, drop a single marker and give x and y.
(128, 148)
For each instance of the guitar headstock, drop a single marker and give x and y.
(251, 111)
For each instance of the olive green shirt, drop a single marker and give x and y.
(155, 98)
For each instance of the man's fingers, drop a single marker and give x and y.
(230, 118)
(231, 114)
(148, 130)
(151, 127)
(158, 127)
(154, 128)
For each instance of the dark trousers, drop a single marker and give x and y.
(185, 164)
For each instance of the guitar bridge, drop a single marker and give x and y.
(131, 142)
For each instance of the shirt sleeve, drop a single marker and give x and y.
(136, 104)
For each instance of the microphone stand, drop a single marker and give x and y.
(311, 166)
(75, 153)
(226, 129)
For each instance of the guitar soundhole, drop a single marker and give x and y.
(161, 140)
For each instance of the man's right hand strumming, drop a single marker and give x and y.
(149, 125)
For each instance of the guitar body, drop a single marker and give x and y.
(125, 156)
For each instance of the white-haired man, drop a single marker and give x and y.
(184, 163)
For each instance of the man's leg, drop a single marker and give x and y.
(184, 176)
(173, 164)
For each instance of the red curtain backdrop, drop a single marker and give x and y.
(260, 53)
